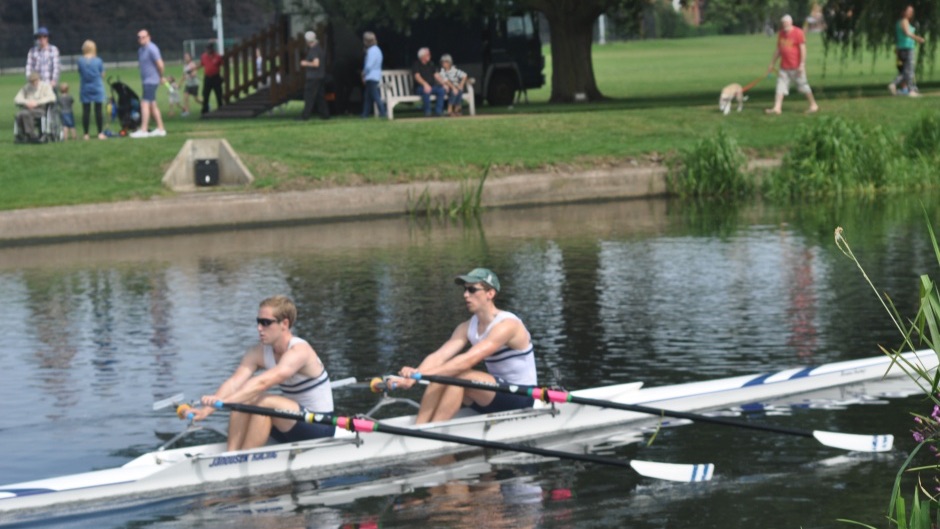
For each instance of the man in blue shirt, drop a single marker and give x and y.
(372, 76)
(151, 76)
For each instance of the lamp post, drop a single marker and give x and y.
(217, 24)
(35, 17)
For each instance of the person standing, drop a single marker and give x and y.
(43, 58)
(151, 77)
(212, 77)
(314, 66)
(91, 74)
(292, 365)
(372, 76)
(791, 50)
(66, 112)
(496, 337)
(190, 81)
(428, 82)
(906, 38)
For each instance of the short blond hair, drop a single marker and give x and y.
(283, 307)
(89, 49)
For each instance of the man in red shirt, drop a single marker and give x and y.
(211, 64)
(791, 50)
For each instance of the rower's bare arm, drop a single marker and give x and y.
(291, 363)
(447, 351)
(251, 362)
(452, 347)
(504, 333)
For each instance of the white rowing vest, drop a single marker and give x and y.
(314, 394)
(512, 365)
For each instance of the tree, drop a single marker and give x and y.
(571, 23)
(854, 26)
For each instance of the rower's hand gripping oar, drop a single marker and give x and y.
(184, 410)
(650, 469)
(844, 441)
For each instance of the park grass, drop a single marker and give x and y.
(662, 99)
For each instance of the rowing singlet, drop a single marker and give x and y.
(512, 365)
(314, 394)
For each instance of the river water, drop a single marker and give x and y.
(653, 290)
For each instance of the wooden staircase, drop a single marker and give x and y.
(248, 91)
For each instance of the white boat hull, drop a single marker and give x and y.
(184, 471)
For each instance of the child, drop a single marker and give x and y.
(454, 81)
(174, 95)
(190, 83)
(65, 112)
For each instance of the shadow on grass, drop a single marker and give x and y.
(696, 99)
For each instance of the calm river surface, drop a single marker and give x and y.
(657, 291)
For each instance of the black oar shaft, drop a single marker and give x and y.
(564, 396)
(365, 425)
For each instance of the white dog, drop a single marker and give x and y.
(730, 93)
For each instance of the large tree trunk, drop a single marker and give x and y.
(572, 25)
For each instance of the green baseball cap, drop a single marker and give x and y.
(479, 275)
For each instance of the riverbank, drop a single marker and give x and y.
(210, 210)
(215, 210)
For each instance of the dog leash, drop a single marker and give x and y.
(753, 83)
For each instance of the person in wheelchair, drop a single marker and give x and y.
(33, 100)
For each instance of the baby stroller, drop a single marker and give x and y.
(124, 107)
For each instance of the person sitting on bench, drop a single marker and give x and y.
(428, 82)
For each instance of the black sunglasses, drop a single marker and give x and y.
(265, 322)
(472, 289)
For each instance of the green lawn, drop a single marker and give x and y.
(663, 98)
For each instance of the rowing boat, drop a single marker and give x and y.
(179, 472)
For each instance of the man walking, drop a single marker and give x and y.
(151, 77)
(314, 67)
(791, 50)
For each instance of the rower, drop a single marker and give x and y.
(290, 363)
(496, 337)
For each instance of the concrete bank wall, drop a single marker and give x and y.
(206, 210)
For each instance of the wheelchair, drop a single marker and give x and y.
(49, 126)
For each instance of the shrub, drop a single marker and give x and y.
(833, 156)
(924, 137)
(713, 167)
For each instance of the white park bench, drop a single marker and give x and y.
(398, 87)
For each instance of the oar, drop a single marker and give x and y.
(180, 397)
(666, 471)
(844, 441)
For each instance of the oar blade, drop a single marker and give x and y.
(169, 401)
(855, 442)
(674, 471)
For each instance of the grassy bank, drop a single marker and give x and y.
(663, 99)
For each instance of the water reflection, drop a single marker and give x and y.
(658, 291)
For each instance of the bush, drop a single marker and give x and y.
(713, 167)
(924, 137)
(833, 156)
